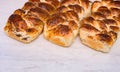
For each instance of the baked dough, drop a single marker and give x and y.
(97, 23)
(100, 30)
(62, 27)
(23, 27)
(27, 23)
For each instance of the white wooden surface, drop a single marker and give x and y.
(43, 56)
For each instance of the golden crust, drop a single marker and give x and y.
(104, 38)
(105, 11)
(69, 2)
(115, 11)
(85, 3)
(100, 30)
(61, 30)
(55, 3)
(18, 28)
(114, 4)
(19, 12)
(24, 25)
(28, 6)
(40, 13)
(77, 8)
(96, 44)
(89, 28)
(98, 15)
(17, 36)
(95, 6)
(34, 0)
(81, 7)
(54, 21)
(47, 7)
(61, 35)
(17, 22)
(62, 27)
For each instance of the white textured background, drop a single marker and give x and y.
(43, 56)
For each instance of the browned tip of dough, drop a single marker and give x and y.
(89, 28)
(34, 0)
(105, 38)
(17, 21)
(54, 20)
(62, 30)
(19, 12)
(48, 7)
(28, 6)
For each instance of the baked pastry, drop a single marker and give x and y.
(23, 26)
(100, 30)
(62, 26)
(97, 23)
(27, 23)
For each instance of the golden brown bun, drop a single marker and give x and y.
(24, 28)
(100, 30)
(58, 31)
(23, 25)
(62, 27)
